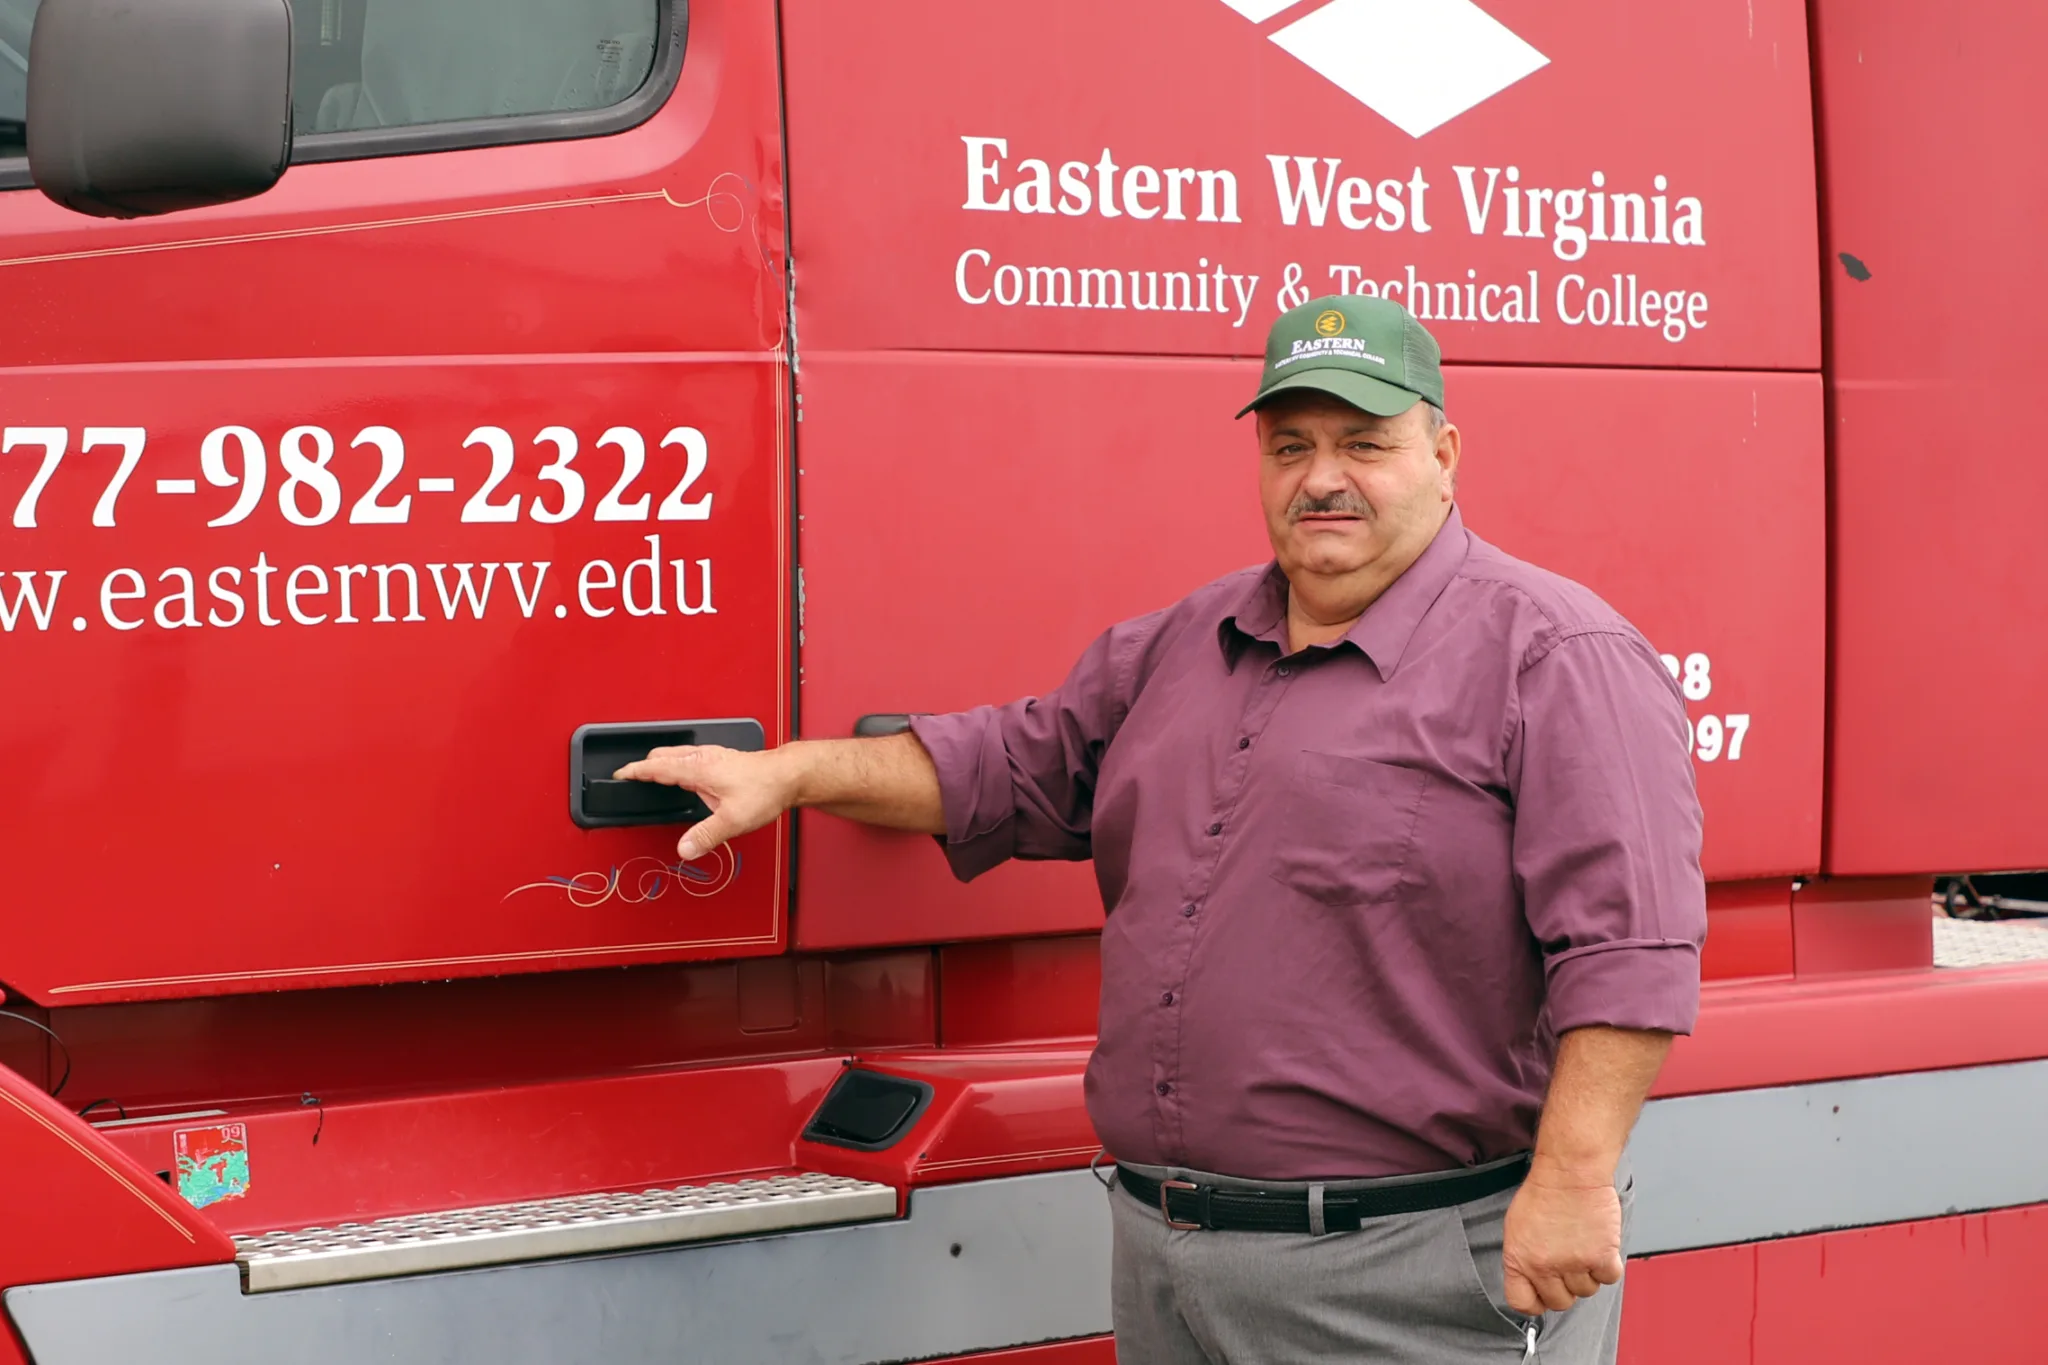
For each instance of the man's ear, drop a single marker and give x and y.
(1449, 445)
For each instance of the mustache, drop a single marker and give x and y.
(1346, 503)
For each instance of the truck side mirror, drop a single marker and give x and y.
(139, 107)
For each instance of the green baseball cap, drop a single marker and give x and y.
(1369, 352)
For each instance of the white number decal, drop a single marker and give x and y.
(480, 507)
(609, 508)
(213, 463)
(1696, 684)
(1712, 737)
(130, 439)
(52, 440)
(313, 473)
(697, 456)
(1670, 665)
(367, 509)
(558, 471)
(1738, 726)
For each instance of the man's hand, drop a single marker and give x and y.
(744, 790)
(1561, 1242)
(888, 781)
(1562, 1239)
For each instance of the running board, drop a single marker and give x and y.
(543, 1229)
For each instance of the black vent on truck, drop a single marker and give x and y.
(868, 1111)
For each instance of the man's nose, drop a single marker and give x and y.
(1326, 474)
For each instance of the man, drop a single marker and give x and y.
(1400, 849)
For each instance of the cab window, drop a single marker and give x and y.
(374, 77)
(15, 18)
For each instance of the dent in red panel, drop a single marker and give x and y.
(1037, 189)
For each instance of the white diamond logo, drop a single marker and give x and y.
(1416, 63)
(1259, 11)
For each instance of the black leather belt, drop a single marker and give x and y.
(1233, 1208)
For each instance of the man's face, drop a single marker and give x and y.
(1346, 491)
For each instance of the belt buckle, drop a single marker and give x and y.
(1167, 1213)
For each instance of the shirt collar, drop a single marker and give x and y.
(1383, 632)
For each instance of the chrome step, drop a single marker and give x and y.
(1988, 943)
(459, 1239)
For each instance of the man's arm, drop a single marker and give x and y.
(889, 781)
(1014, 781)
(1607, 843)
(1562, 1240)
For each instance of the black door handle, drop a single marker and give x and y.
(609, 796)
(597, 800)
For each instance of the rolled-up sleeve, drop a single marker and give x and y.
(1607, 835)
(1018, 781)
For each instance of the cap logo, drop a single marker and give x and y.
(1329, 323)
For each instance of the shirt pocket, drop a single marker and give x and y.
(1347, 828)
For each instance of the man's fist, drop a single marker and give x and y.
(744, 790)
(1562, 1241)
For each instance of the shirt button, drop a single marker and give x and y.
(1216, 828)
(1166, 999)
(1244, 744)
(1187, 912)
(1163, 1088)
(1284, 670)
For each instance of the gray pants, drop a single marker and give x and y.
(1420, 1287)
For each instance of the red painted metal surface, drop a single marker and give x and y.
(469, 1147)
(1017, 990)
(413, 1039)
(1640, 486)
(341, 787)
(893, 253)
(350, 802)
(1961, 1289)
(1937, 731)
(994, 1112)
(1761, 1033)
(1854, 925)
(1657, 515)
(79, 1208)
(598, 246)
(1749, 931)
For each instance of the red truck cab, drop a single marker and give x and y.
(618, 372)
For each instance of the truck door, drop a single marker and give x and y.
(1034, 281)
(327, 518)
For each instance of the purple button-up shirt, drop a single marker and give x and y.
(1356, 891)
